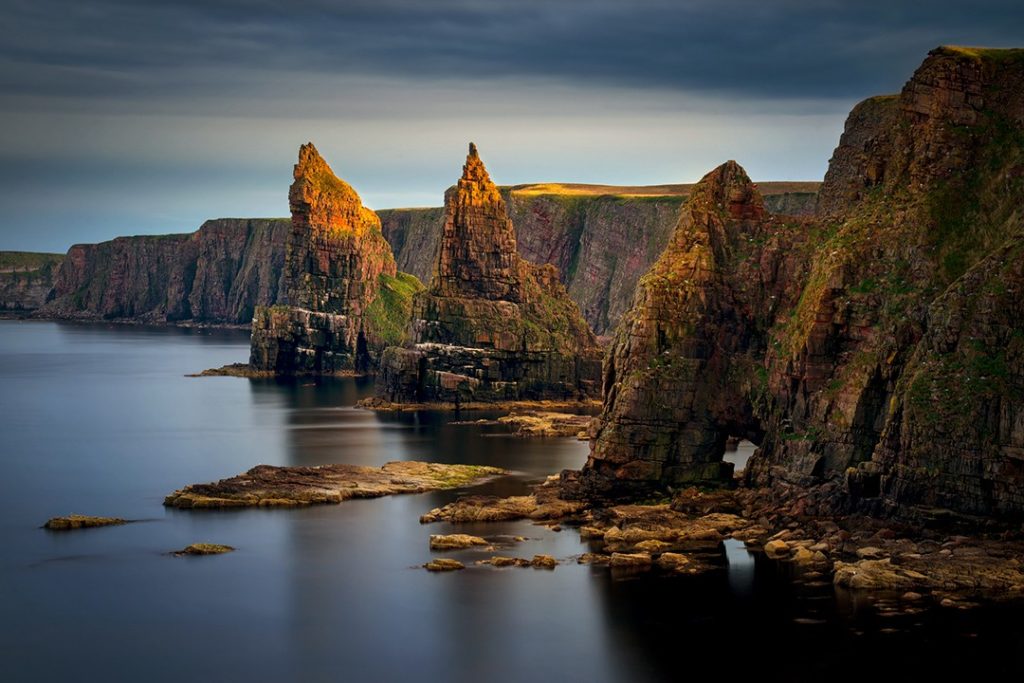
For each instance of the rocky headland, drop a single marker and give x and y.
(344, 299)
(873, 352)
(491, 326)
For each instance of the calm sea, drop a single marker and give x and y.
(101, 420)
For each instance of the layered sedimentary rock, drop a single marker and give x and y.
(218, 274)
(874, 354)
(344, 299)
(492, 326)
(25, 279)
(601, 238)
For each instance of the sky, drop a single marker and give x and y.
(125, 117)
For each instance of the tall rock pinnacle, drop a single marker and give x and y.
(491, 327)
(336, 251)
(336, 265)
(478, 246)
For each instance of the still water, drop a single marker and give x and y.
(101, 420)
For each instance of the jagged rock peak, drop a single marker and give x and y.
(729, 188)
(475, 186)
(478, 255)
(321, 201)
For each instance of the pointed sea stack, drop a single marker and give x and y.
(670, 402)
(343, 298)
(491, 327)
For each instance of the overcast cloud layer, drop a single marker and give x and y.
(123, 117)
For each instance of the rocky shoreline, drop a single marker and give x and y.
(682, 535)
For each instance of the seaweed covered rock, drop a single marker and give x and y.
(344, 299)
(491, 327)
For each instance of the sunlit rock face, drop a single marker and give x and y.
(491, 326)
(875, 352)
(344, 299)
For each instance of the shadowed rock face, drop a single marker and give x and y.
(342, 288)
(875, 353)
(491, 327)
(676, 376)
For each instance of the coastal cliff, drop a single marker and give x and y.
(873, 353)
(25, 280)
(218, 274)
(344, 299)
(600, 238)
(491, 326)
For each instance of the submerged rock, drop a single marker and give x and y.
(455, 541)
(204, 549)
(529, 423)
(81, 522)
(267, 486)
(543, 504)
(443, 564)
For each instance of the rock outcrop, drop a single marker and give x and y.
(874, 353)
(218, 274)
(269, 486)
(601, 238)
(344, 299)
(491, 327)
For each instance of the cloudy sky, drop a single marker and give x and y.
(129, 117)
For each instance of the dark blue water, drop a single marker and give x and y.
(101, 420)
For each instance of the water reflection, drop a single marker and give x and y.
(741, 568)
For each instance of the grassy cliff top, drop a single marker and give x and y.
(678, 190)
(24, 261)
(992, 54)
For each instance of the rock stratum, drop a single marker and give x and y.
(344, 299)
(491, 326)
(874, 353)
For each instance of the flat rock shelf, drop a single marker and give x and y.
(269, 486)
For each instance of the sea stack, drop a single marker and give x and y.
(671, 395)
(343, 297)
(491, 326)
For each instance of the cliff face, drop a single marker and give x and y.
(872, 353)
(600, 238)
(218, 274)
(25, 279)
(344, 298)
(491, 326)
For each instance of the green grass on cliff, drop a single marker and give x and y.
(990, 54)
(26, 261)
(388, 314)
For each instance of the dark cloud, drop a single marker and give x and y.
(786, 48)
(134, 116)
